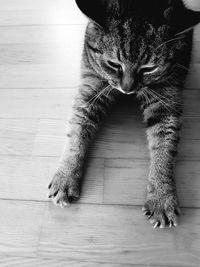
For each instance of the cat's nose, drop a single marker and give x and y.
(127, 82)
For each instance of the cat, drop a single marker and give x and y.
(140, 47)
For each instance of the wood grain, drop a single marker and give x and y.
(35, 12)
(193, 80)
(17, 136)
(36, 103)
(118, 234)
(95, 233)
(125, 182)
(46, 262)
(20, 227)
(27, 178)
(52, 34)
(39, 76)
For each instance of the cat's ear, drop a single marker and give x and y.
(94, 10)
(180, 17)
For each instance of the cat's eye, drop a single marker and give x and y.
(114, 65)
(147, 69)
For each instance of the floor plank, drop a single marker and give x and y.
(46, 262)
(196, 52)
(42, 45)
(42, 34)
(96, 233)
(193, 80)
(35, 12)
(125, 182)
(36, 103)
(116, 234)
(39, 76)
(42, 53)
(17, 136)
(20, 227)
(27, 178)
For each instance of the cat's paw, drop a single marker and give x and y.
(63, 189)
(162, 211)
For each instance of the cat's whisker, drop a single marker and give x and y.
(165, 101)
(172, 94)
(147, 99)
(145, 95)
(109, 91)
(92, 99)
(159, 100)
(167, 93)
(95, 99)
(169, 41)
(168, 99)
(181, 67)
(159, 96)
(186, 30)
(98, 96)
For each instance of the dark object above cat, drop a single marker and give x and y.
(140, 47)
(157, 12)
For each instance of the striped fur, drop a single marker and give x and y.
(131, 47)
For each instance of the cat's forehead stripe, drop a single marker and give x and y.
(129, 44)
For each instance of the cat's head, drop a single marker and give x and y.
(136, 43)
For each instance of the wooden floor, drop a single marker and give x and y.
(40, 47)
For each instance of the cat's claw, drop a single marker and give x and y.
(162, 212)
(156, 225)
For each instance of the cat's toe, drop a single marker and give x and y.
(162, 212)
(60, 199)
(172, 214)
(63, 190)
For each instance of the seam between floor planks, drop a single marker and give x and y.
(85, 203)
(52, 262)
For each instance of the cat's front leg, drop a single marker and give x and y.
(161, 207)
(90, 105)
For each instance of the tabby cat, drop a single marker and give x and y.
(140, 47)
